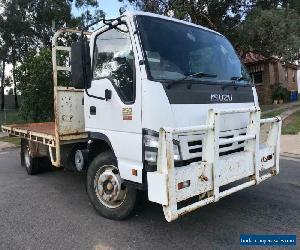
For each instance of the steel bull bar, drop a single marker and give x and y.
(203, 179)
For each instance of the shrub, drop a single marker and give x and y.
(281, 93)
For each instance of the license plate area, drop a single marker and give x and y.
(200, 175)
(235, 167)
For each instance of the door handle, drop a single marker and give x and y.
(107, 94)
(92, 110)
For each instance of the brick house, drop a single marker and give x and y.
(269, 73)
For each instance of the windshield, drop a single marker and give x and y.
(175, 50)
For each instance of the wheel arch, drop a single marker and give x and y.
(99, 143)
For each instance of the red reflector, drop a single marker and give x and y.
(184, 184)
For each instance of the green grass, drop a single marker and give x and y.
(10, 117)
(14, 140)
(293, 125)
(272, 114)
(266, 107)
(270, 107)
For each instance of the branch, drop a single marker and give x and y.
(195, 12)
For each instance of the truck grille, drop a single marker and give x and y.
(191, 145)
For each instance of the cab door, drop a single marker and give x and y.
(114, 70)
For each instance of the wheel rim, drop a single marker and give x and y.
(108, 187)
(27, 158)
(79, 160)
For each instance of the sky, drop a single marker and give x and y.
(110, 7)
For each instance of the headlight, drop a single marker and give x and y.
(150, 141)
(151, 144)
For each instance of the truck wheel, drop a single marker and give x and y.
(73, 157)
(23, 146)
(108, 195)
(31, 164)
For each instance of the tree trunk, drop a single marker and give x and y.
(15, 88)
(2, 85)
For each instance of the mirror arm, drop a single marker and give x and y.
(93, 96)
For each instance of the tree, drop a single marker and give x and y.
(35, 74)
(223, 16)
(2, 84)
(51, 15)
(36, 85)
(8, 83)
(16, 34)
(272, 32)
(27, 26)
(268, 27)
(3, 58)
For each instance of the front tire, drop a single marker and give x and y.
(109, 196)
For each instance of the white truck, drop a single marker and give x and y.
(158, 105)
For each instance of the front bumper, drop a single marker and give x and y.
(208, 179)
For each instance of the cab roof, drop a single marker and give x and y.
(143, 13)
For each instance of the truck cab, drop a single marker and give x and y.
(161, 72)
(168, 108)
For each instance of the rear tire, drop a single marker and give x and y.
(23, 146)
(32, 165)
(109, 196)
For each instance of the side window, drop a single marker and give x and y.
(114, 59)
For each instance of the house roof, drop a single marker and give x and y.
(253, 57)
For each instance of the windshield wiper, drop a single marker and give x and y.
(198, 74)
(239, 78)
(235, 79)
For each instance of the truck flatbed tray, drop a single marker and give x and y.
(47, 128)
(39, 132)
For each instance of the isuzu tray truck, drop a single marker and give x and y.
(157, 105)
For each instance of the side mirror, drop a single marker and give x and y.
(81, 71)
